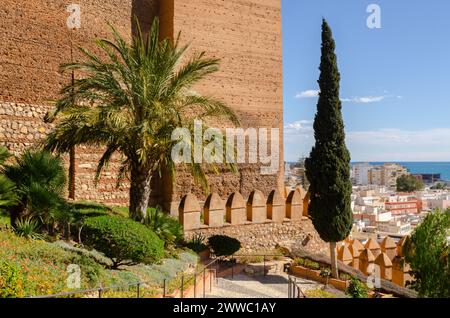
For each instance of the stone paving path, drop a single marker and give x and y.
(244, 286)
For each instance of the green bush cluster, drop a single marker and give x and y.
(10, 280)
(357, 289)
(123, 240)
(43, 265)
(307, 263)
(428, 253)
(223, 245)
(197, 243)
(165, 226)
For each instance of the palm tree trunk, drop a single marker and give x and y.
(72, 173)
(16, 213)
(333, 260)
(140, 190)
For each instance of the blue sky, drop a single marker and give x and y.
(395, 81)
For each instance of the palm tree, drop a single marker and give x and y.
(39, 179)
(130, 101)
(8, 196)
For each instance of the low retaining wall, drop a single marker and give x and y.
(300, 271)
(270, 235)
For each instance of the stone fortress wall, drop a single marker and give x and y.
(245, 34)
(385, 260)
(35, 40)
(281, 220)
(260, 223)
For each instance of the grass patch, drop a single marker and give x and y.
(4, 220)
(38, 268)
(258, 257)
(319, 293)
(43, 266)
(120, 210)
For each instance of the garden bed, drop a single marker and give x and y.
(315, 275)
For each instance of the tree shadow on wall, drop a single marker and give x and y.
(145, 11)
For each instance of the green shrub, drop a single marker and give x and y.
(165, 226)
(43, 266)
(92, 254)
(428, 253)
(39, 178)
(307, 263)
(197, 243)
(28, 228)
(7, 193)
(357, 289)
(10, 280)
(222, 245)
(319, 293)
(123, 240)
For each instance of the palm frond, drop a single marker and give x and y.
(131, 98)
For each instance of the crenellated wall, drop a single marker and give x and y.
(385, 260)
(258, 222)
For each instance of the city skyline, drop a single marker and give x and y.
(387, 76)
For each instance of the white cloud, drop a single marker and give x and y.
(439, 137)
(377, 145)
(400, 145)
(364, 100)
(314, 93)
(300, 127)
(308, 94)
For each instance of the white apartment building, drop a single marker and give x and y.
(386, 175)
(395, 227)
(360, 173)
(442, 202)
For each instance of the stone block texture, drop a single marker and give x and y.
(190, 218)
(214, 211)
(246, 36)
(256, 207)
(236, 213)
(276, 207)
(294, 205)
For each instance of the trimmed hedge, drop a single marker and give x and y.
(123, 240)
(222, 245)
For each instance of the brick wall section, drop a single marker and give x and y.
(35, 40)
(246, 36)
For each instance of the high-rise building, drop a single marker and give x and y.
(386, 175)
(360, 173)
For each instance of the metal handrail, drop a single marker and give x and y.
(92, 290)
(101, 289)
(194, 277)
(292, 287)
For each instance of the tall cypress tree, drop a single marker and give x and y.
(328, 167)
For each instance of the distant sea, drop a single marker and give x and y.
(424, 167)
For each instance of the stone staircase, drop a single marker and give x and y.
(244, 286)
